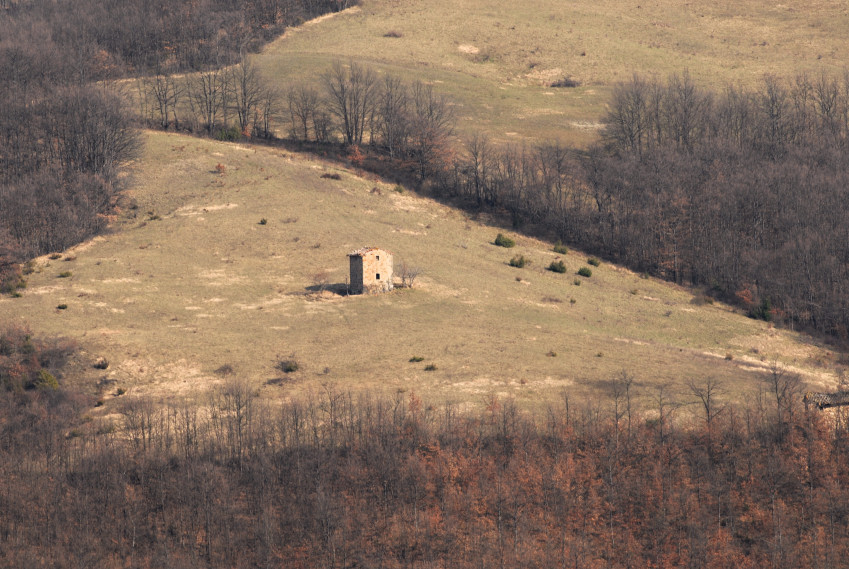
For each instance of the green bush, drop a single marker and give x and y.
(61, 307)
(557, 267)
(503, 241)
(594, 261)
(65, 274)
(288, 365)
(416, 359)
(518, 261)
(430, 367)
(46, 380)
(263, 221)
(577, 282)
(560, 248)
(585, 272)
(229, 134)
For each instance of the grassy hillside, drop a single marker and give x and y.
(498, 59)
(190, 282)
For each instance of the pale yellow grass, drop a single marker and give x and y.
(497, 59)
(170, 301)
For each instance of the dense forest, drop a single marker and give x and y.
(647, 477)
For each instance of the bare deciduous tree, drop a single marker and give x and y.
(351, 93)
(408, 274)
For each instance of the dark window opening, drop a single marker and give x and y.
(377, 276)
(378, 257)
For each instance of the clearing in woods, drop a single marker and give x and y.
(190, 285)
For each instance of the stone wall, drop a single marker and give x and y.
(371, 271)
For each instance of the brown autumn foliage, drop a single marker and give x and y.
(355, 480)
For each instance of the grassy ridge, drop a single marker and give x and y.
(191, 282)
(498, 59)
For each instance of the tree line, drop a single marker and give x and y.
(65, 134)
(336, 479)
(117, 38)
(740, 191)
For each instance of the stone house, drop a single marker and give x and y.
(371, 271)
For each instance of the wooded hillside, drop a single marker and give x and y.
(351, 480)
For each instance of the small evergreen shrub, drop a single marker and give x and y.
(594, 261)
(416, 359)
(560, 248)
(65, 274)
(557, 267)
(62, 307)
(762, 311)
(46, 380)
(289, 365)
(263, 221)
(430, 367)
(585, 272)
(229, 134)
(577, 282)
(54, 256)
(333, 176)
(503, 241)
(518, 261)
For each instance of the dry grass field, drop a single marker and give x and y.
(190, 282)
(498, 59)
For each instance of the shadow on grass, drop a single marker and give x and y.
(339, 289)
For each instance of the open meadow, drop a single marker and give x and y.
(190, 289)
(499, 60)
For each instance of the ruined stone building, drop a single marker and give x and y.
(371, 271)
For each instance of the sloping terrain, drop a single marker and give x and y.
(190, 285)
(498, 60)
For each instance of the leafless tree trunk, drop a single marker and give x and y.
(206, 96)
(351, 93)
